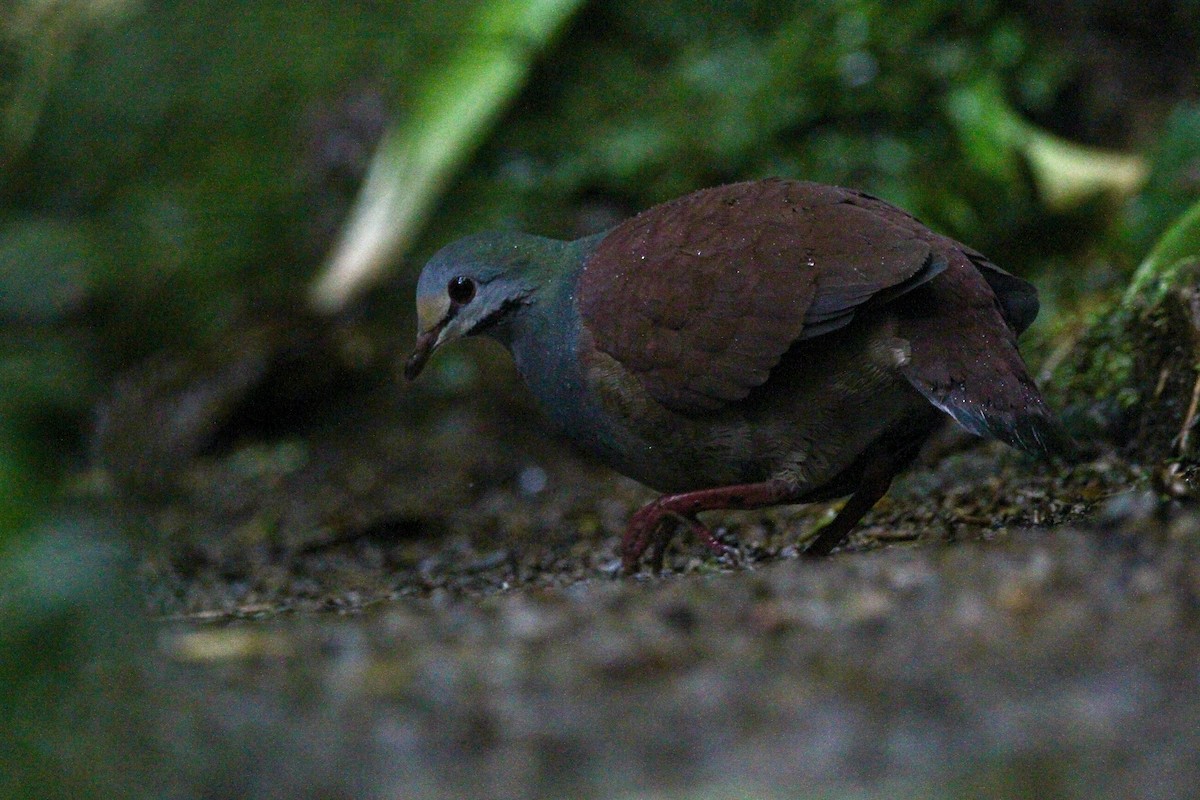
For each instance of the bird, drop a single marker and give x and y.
(749, 345)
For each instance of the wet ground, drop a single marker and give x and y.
(407, 601)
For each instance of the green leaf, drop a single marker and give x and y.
(1067, 174)
(1178, 247)
(455, 107)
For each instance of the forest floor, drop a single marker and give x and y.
(428, 604)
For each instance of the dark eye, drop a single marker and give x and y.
(461, 290)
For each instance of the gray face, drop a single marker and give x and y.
(466, 285)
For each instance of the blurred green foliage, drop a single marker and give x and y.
(1174, 181)
(1177, 248)
(154, 184)
(73, 687)
(692, 93)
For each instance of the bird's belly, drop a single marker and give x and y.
(804, 445)
(807, 425)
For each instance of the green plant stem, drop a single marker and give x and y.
(454, 109)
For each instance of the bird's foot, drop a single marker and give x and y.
(652, 528)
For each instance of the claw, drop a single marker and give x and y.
(728, 552)
(653, 527)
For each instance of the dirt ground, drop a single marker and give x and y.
(419, 597)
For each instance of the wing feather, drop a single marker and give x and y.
(701, 296)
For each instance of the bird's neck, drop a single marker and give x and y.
(544, 339)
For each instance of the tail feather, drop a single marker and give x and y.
(1034, 430)
(964, 360)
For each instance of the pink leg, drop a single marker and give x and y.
(651, 528)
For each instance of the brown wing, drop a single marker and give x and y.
(1017, 298)
(964, 358)
(701, 296)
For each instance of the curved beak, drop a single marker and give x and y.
(427, 342)
(433, 315)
